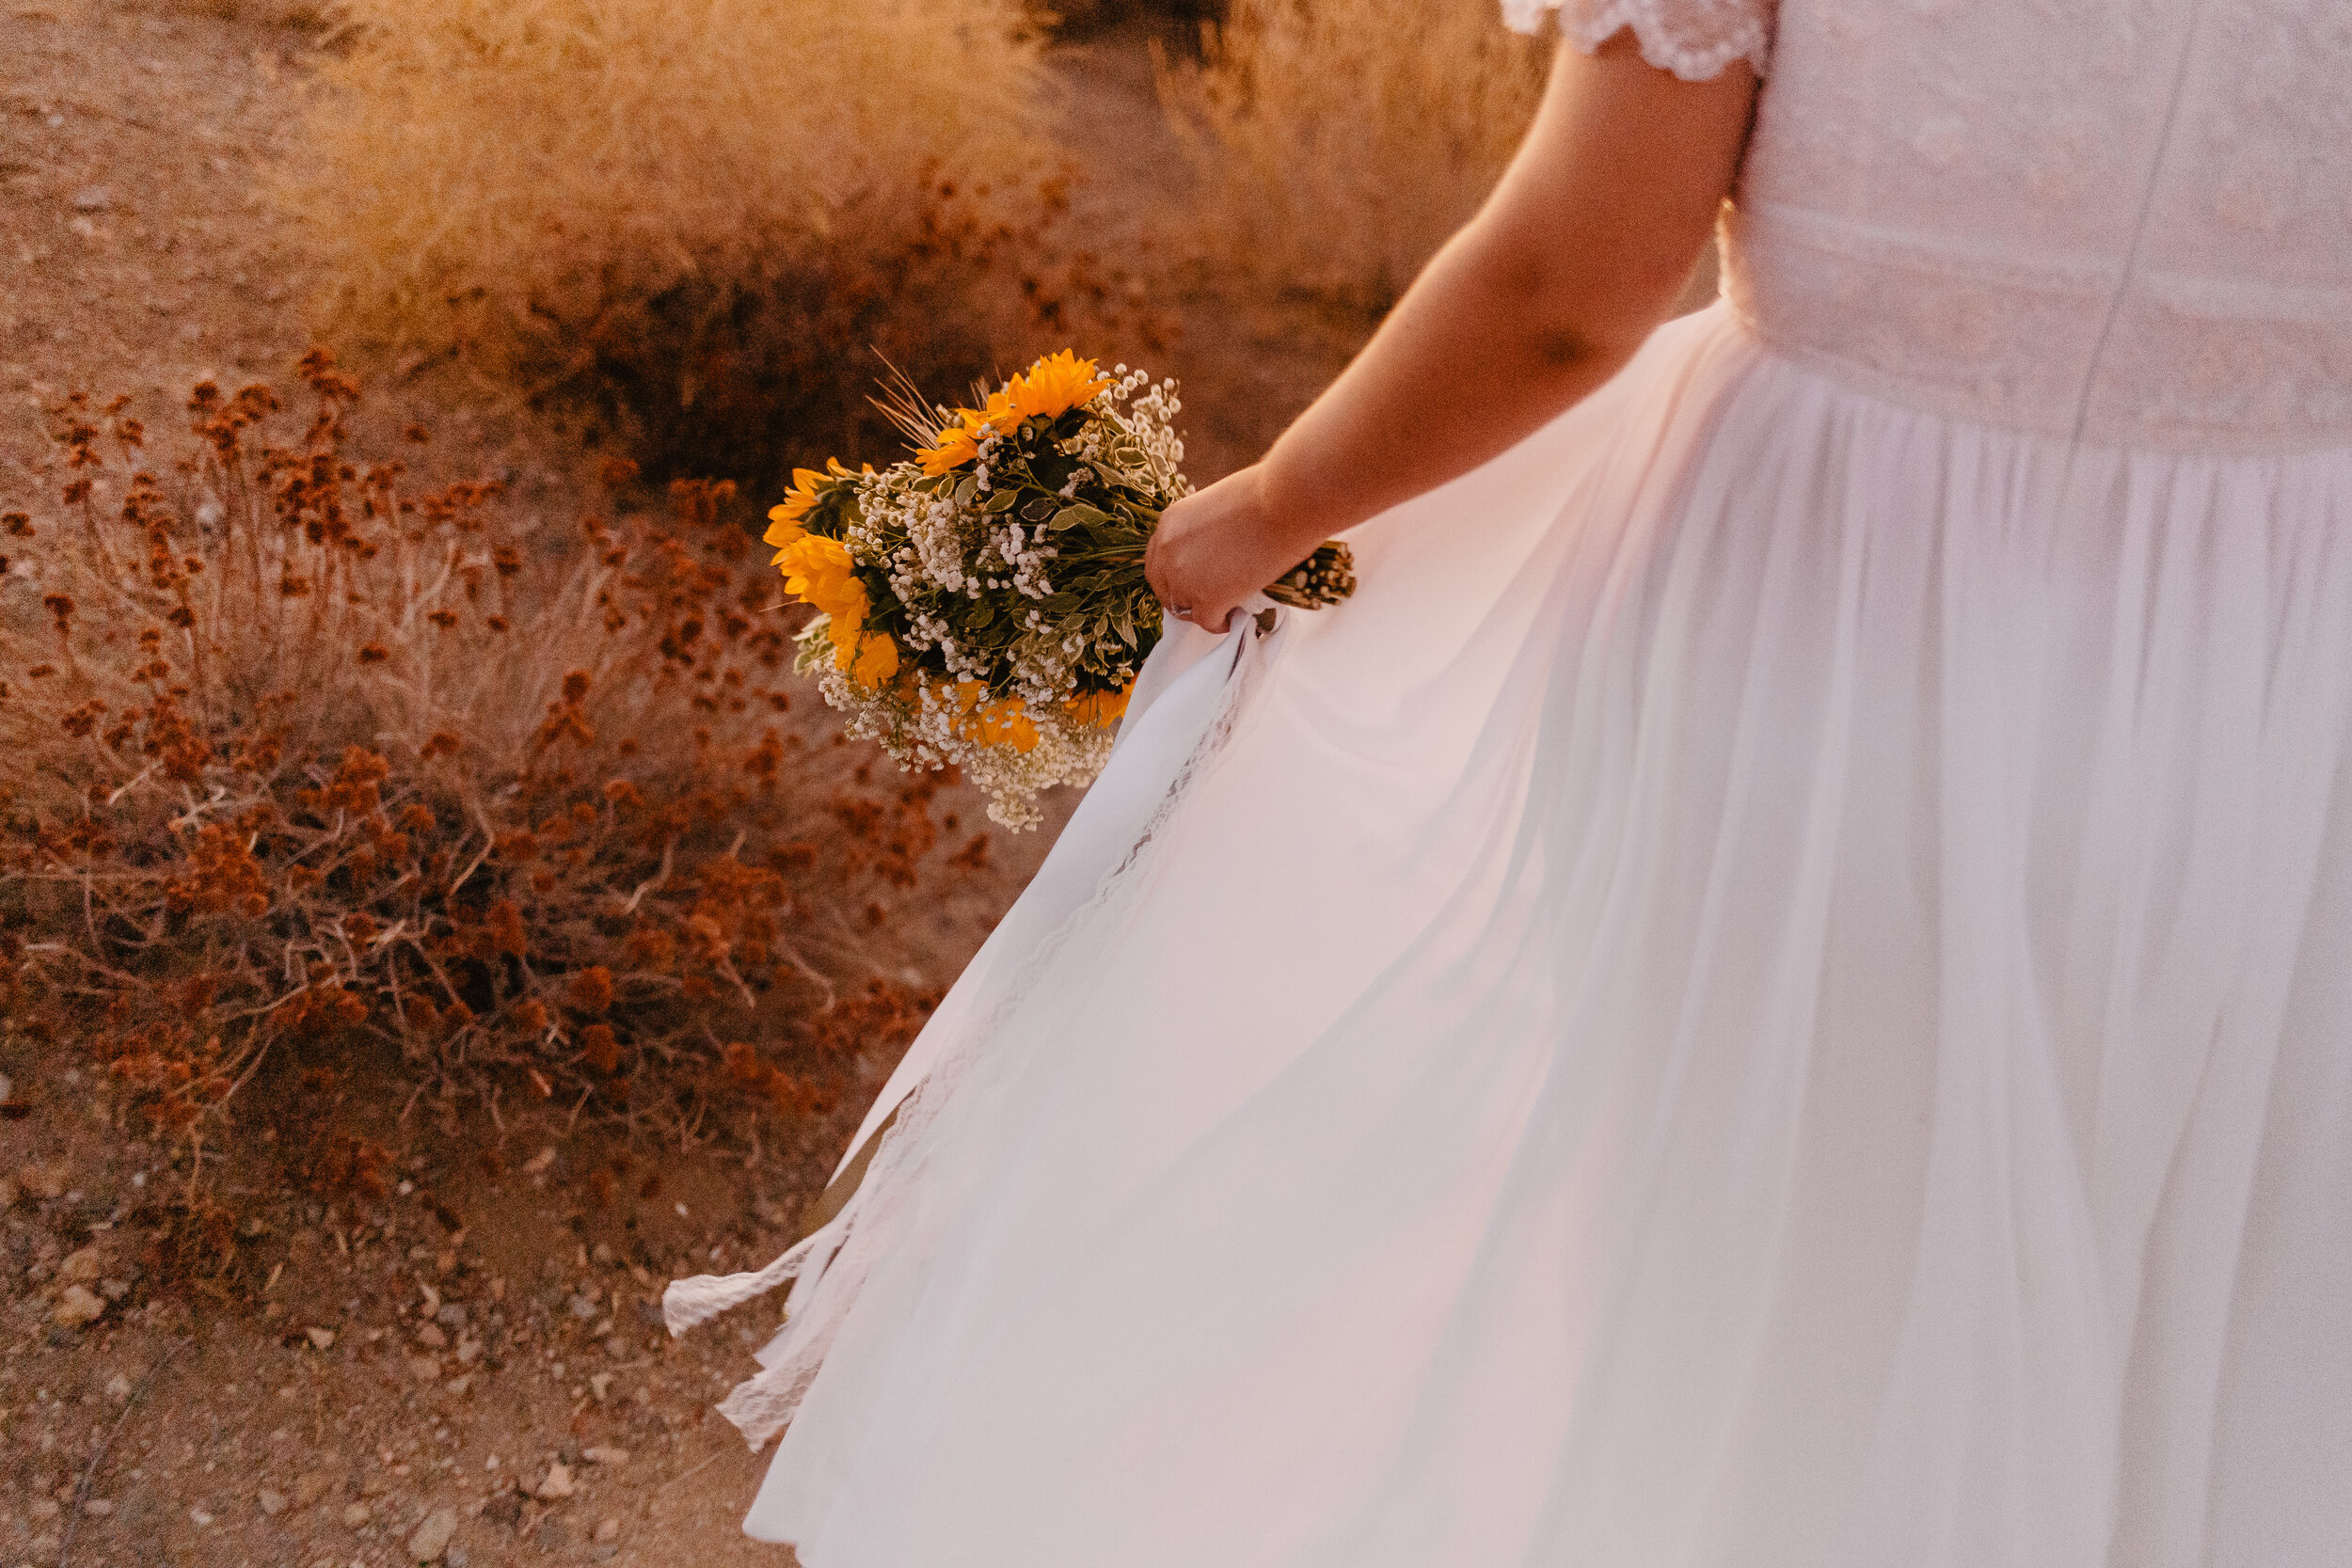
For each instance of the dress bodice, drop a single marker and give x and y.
(2128, 221)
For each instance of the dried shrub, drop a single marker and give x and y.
(310, 769)
(1079, 20)
(694, 217)
(1335, 146)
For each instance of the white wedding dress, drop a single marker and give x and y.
(1775, 992)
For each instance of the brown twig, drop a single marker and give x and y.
(89, 1471)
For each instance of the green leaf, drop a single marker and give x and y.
(1072, 516)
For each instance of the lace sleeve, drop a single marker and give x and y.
(1693, 39)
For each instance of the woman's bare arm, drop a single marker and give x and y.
(1577, 256)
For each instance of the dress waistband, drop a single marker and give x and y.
(2059, 345)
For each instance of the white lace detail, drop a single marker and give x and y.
(2128, 221)
(886, 1215)
(1696, 39)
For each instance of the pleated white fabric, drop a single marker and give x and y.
(1771, 992)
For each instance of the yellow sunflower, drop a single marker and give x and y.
(783, 519)
(952, 448)
(1101, 709)
(818, 571)
(998, 723)
(874, 663)
(1053, 384)
(959, 443)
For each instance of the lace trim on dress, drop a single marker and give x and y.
(1696, 39)
(2007, 338)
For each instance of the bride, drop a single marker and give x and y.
(1773, 992)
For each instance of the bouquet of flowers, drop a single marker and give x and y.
(984, 603)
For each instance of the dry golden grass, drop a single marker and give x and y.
(701, 210)
(1336, 143)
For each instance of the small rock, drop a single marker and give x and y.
(321, 1338)
(98, 1507)
(460, 1383)
(45, 1508)
(601, 1385)
(356, 1515)
(311, 1488)
(117, 1387)
(557, 1485)
(114, 1289)
(203, 1519)
(582, 1307)
(81, 1268)
(83, 227)
(505, 1509)
(432, 1537)
(9, 1193)
(453, 1314)
(424, 1368)
(607, 1455)
(430, 1335)
(77, 1307)
(608, 1528)
(272, 1503)
(456, 1556)
(468, 1351)
(91, 199)
(603, 1254)
(44, 1182)
(539, 1162)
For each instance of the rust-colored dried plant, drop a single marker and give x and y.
(313, 768)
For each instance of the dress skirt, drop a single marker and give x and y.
(1775, 991)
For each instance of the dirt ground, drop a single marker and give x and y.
(478, 1357)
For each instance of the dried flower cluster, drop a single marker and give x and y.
(984, 606)
(308, 766)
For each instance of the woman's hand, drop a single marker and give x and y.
(1216, 546)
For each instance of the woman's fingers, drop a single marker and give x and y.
(1205, 557)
